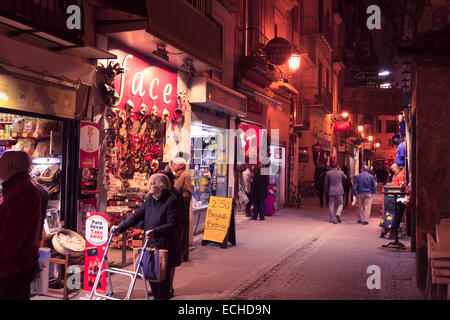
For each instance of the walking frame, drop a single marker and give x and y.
(138, 272)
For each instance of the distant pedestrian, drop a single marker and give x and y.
(20, 225)
(247, 177)
(259, 193)
(335, 190)
(365, 187)
(321, 185)
(347, 184)
(271, 199)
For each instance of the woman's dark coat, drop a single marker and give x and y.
(161, 216)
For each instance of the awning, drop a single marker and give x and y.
(260, 97)
(21, 56)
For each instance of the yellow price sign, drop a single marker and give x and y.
(217, 220)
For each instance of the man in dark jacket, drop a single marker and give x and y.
(321, 171)
(160, 215)
(20, 220)
(259, 193)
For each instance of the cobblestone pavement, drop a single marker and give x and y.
(296, 254)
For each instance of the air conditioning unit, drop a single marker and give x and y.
(211, 94)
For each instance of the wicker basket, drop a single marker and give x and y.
(63, 249)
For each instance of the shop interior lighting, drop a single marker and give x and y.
(46, 161)
(386, 85)
(384, 73)
(344, 114)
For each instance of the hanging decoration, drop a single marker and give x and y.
(133, 135)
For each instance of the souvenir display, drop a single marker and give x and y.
(132, 144)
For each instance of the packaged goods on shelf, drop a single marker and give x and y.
(17, 127)
(42, 149)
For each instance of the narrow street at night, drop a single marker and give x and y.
(225, 158)
(295, 255)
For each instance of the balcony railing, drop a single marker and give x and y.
(44, 15)
(314, 25)
(254, 39)
(317, 96)
(204, 6)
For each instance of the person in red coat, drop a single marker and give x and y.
(20, 221)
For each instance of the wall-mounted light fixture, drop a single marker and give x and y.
(294, 62)
(161, 51)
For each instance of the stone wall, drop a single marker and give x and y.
(431, 103)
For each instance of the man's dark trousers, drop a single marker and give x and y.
(17, 288)
(260, 205)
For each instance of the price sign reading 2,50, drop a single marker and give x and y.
(221, 204)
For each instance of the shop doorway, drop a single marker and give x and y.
(208, 172)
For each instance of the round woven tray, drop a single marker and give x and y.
(63, 249)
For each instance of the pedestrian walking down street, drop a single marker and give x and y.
(159, 214)
(247, 177)
(335, 190)
(259, 193)
(20, 226)
(347, 184)
(364, 186)
(321, 186)
(183, 184)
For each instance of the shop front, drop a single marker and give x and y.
(208, 168)
(214, 110)
(140, 102)
(40, 115)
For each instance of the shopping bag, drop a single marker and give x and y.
(386, 220)
(243, 197)
(154, 264)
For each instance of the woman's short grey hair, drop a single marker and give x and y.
(161, 180)
(180, 161)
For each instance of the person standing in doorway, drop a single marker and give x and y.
(364, 187)
(20, 226)
(335, 190)
(259, 193)
(183, 184)
(247, 177)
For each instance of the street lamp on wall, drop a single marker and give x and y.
(294, 62)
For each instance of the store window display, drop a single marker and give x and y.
(208, 172)
(41, 139)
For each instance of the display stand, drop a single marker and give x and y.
(396, 244)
